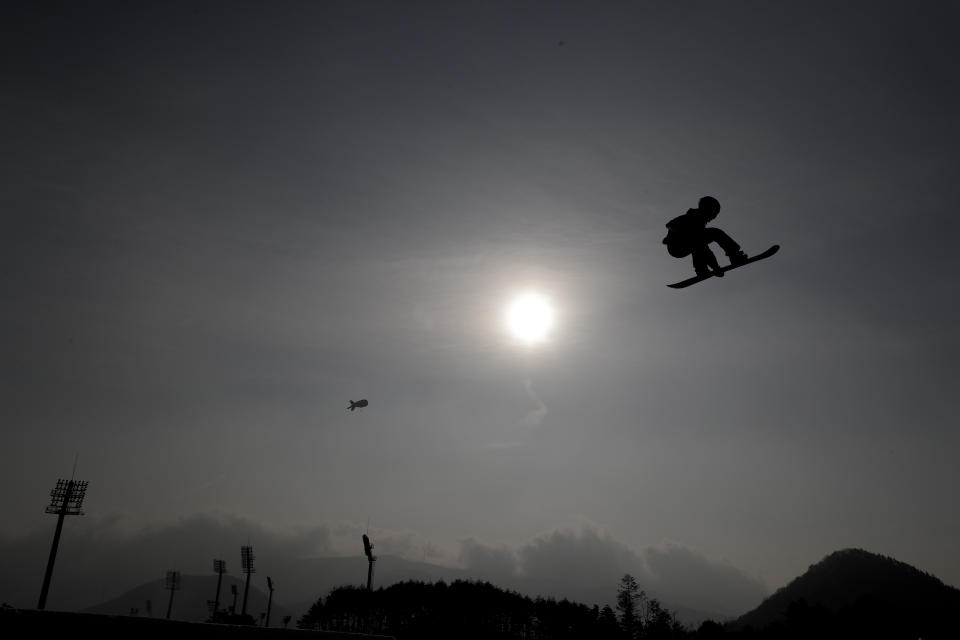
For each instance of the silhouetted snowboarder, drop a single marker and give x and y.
(689, 235)
(358, 404)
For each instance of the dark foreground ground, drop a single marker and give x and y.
(30, 623)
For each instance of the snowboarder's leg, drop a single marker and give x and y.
(704, 262)
(728, 244)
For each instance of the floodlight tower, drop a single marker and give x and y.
(269, 601)
(66, 499)
(246, 561)
(368, 551)
(172, 584)
(234, 591)
(219, 568)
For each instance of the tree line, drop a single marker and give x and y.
(476, 609)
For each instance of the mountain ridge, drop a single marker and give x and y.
(853, 586)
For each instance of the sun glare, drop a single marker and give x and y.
(529, 318)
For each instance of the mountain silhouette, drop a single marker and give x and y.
(862, 594)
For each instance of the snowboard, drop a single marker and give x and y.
(694, 280)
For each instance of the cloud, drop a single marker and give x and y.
(702, 583)
(586, 565)
(404, 543)
(431, 551)
(495, 564)
(594, 558)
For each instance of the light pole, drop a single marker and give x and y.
(172, 584)
(66, 499)
(219, 567)
(246, 560)
(368, 551)
(269, 600)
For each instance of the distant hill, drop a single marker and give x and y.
(314, 578)
(318, 576)
(190, 602)
(861, 593)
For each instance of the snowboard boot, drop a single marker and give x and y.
(705, 263)
(737, 258)
(711, 270)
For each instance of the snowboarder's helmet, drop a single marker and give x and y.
(709, 203)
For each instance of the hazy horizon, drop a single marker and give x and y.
(226, 220)
(109, 559)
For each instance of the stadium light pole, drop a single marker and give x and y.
(368, 551)
(269, 601)
(66, 499)
(172, 584)
(219, 567)
(246, 561)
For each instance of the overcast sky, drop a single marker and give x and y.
(223, 221)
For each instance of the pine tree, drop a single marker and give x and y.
(628, 596)
(312, 618)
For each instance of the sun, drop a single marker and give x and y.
(529, 317)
